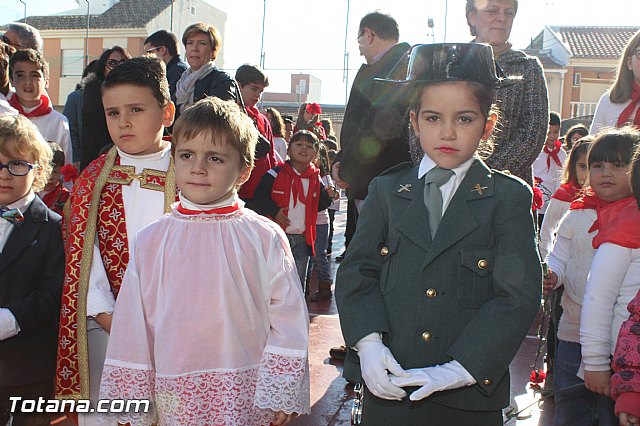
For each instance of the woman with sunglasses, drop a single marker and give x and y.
(620, 105)
(93, 142)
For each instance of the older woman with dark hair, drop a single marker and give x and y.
(524, 106)
(94, 141)
(202, 43)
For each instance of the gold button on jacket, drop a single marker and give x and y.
(487, 382)
(482, 264)
(426, 336)
(384, 251)
(431, 293)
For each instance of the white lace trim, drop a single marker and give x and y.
(243, 397)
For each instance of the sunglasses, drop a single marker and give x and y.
(113, 63)
(153, 49)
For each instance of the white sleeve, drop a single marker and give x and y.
(550, 223)
(561, 251)
(607, 273)
(600, 119)
(8, 325)
(100, 299)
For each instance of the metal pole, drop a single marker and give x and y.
(345, 65)
(171, 23)
(86, 38)
(25, 10)
(446, 13)
(264, 14)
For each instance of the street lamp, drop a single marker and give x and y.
(264, 14)
(86, 38)
(430, 24)
(25, 10)
(345, 64)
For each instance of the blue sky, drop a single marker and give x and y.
(311, 38)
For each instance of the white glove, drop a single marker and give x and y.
(375, 360)
(451, 375)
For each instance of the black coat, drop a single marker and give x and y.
(218, 84)
(175, 67)
(31, 277)
(96, 134)
(373, 136)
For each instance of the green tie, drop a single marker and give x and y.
(434, 179)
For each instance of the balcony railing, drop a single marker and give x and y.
(581, 109)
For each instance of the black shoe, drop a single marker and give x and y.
(340, 258)
(338, 352)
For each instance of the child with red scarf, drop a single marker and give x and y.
(252, 81)
(54, 194)
(30, 77)
(547, 169)
(574, 177)
(292, 195)
(570, 263)
(309, 119)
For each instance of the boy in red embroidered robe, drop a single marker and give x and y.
(292, 195)
(118, 194)
(30, 76)
(54, 194)
(252, 81)
(547, 168)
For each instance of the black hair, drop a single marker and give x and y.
(102, 60)
(305, 136)
(554, 119)
(614, 145)
(580, 129)
(142, 71)
(382, 24)
(164, 38)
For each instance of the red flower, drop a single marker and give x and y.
(69, 173)
(313, 108)
(538, 201)
(537, 376)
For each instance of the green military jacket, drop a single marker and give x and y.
(471, 294)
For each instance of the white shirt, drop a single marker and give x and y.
(607, 114)
(141, 207)
(550, 174)
(555, 212)
(5, 107)
(55, 128)
(8, 325)
(451, 186)
(614, 280)
(280, 146)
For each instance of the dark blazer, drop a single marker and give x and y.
(470, 294)
(175, 67)
(96, 134)
(218, 84)
(373, 136)
(31, 277)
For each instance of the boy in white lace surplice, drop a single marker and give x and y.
(211, 324)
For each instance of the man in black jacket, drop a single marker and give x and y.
(164, 46)
(372, 136)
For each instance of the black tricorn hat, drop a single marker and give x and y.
(432, 63)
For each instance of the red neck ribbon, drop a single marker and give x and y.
(43, 109)
(553, 153)
(219, 210)
(626, 113)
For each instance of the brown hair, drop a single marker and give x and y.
(580, 148)
(6, 51)
(215, 39)
(31, 56)
(223, 122)
(26, 139)
(621, 89)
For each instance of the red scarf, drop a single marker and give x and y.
(255, 115)
(56, 198)
(553, 153)
(635, 98)
(568, 192)
(43, 109)
(288, 184)
(218, 210)
(619, 224)
(589, 201)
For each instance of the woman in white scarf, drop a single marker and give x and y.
(202, 43)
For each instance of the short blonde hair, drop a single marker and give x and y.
(209, 30)
(26, 139)
(223, 121)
